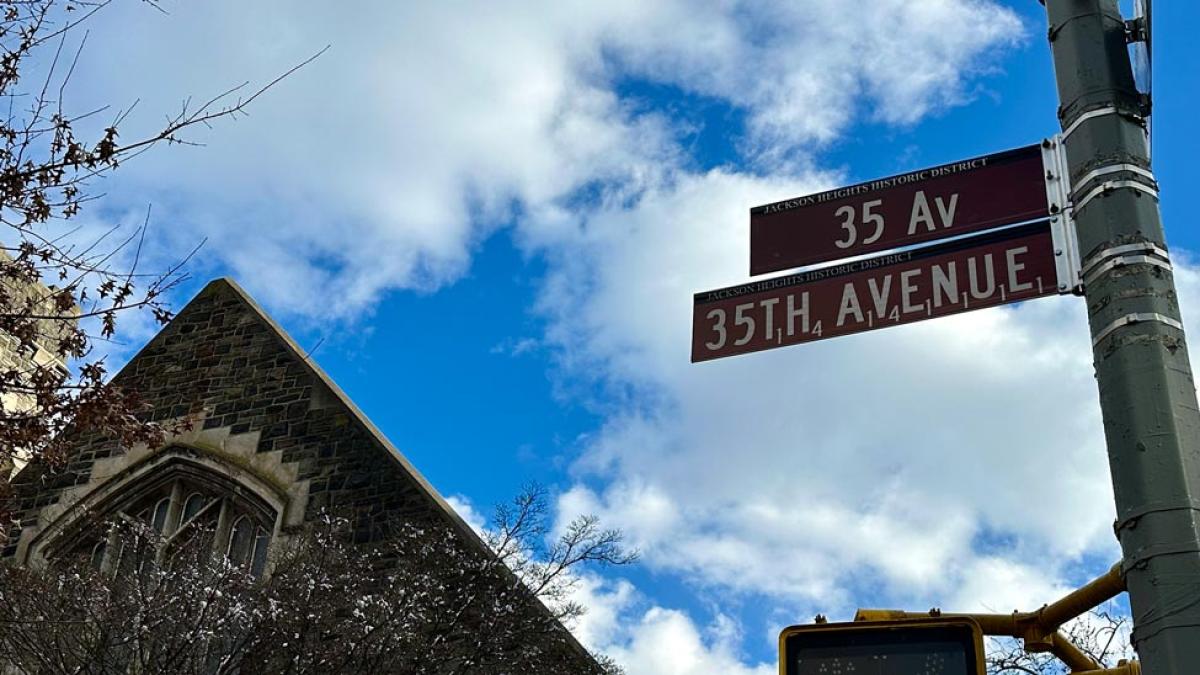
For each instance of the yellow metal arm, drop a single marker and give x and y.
(1039, 629)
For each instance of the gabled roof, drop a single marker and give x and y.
(227, 285)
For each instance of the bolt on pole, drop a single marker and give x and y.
(1147, 395)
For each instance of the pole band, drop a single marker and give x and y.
(1117, 168)
(1109, 186)
(1125, 260)
(1129, 319)
(1115, 251)
(1179, 608)
(1100, 112)
(1144, 555)
(1130, 519)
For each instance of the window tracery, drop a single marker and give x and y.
(181, 505)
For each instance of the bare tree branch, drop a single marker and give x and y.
(62, 292)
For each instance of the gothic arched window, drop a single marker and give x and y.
(248, 542)
(172, 506)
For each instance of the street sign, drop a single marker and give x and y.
(934, 646)
(945, 201)
(1008, 265)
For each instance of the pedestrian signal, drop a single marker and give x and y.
(933, 646)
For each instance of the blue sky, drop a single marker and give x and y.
(492, 221)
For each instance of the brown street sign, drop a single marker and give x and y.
(996, 268)
(925, 205)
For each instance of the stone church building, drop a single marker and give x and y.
(274, 444)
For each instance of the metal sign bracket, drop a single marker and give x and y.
(1062, 223)
(1137, 30)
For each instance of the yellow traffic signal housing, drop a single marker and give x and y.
(928, 646)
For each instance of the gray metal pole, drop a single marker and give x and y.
(1147, 395)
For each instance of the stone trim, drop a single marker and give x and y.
(394, 453)
(75, 510)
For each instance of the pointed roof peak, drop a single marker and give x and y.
(220, 283)
(229, 286)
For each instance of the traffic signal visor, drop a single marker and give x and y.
(933, 646)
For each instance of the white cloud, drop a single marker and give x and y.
(801, 70)
(648, 639)
(993, 584)
(427, 125)
(667, 642)
(466, 510)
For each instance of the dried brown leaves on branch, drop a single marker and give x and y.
(62, 291)
(420, 603)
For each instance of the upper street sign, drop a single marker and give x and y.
(1009, 265)
(945, 201)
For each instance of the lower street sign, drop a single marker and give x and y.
(991, 269)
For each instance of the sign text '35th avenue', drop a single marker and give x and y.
(992, 269)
